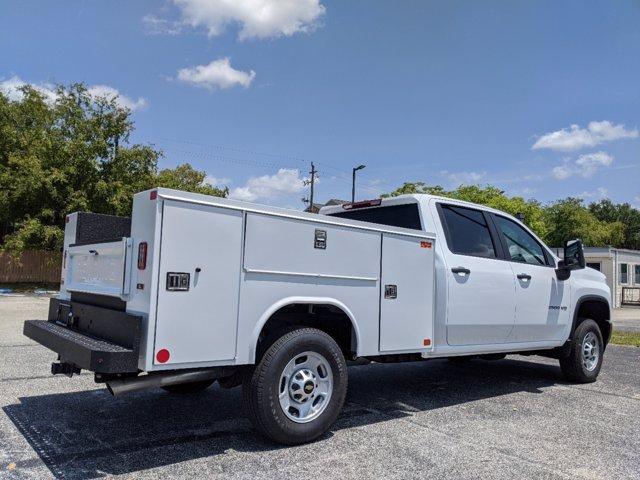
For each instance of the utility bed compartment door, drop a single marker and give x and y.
(407, 294)
(99, 268)
(200, 258)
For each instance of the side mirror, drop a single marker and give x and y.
(573, 259)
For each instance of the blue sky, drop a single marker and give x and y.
(539, 98)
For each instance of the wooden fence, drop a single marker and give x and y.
(32, 266)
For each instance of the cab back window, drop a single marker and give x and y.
(467, 231)
(406, 216)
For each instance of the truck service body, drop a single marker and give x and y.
(194, 289)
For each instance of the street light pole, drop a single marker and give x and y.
(353, 182)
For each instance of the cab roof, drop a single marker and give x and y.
(406, 199)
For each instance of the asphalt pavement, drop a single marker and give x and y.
(513, 418)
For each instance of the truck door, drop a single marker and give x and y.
(542, 301)
(200, 257)
(406, 303)
(481, 287)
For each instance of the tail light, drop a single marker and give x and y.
(142, 256)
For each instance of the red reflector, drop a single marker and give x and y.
(426, 342)
(363, 204)
(142, 256)
(425, 244)
(163, 356)
(153, 194)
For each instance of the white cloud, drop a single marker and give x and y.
(122, 100)
(576, 138)
(599, 193)
(155, 25)
(562, 172)
(257, 18)
(533, 177)
(11, 88)
(286, 181)
(590, 163)
(217, 181)
(525, 192)
(585, 165)
(463, 178)
(217, 74)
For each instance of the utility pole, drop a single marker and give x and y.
(353, 182)
(312, 181)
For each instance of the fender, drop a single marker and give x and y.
(586, 298)
(264, 318)
(564, 349)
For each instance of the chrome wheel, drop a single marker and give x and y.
(306, 384)
(590, 351)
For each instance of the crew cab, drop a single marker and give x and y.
(194, 289)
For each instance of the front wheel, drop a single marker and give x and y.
(584, 361)
(297, 390)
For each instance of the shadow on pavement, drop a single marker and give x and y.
(90, 434)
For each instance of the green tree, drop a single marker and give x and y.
(73, 154)
(569, 218)
(628, 216)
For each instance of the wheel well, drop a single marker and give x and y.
(328, 318)
(597, 310)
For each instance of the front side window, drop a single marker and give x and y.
(522, 247)
(624, 273)
(468, 232)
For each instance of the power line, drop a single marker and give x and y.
(235, 149)
(228, 159)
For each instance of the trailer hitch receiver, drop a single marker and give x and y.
(67, 369)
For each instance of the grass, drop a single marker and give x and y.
(625, 338)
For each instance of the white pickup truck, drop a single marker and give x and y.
(196, 289)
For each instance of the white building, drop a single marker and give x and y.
(622, 269)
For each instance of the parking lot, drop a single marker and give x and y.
(514, 418)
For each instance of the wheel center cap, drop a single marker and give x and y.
(302, 385)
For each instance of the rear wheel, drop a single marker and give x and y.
(298, 388)
(584, 361)
(191, 387)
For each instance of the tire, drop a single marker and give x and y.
(191, 387)
(583, 363)
(307, 364)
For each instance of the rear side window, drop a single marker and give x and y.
(406, 216)
(522, 247)
(467, 232)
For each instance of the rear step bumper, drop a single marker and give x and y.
(81, 350)
(93, 338)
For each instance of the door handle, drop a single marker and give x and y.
(461, 270)
(524, 276)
